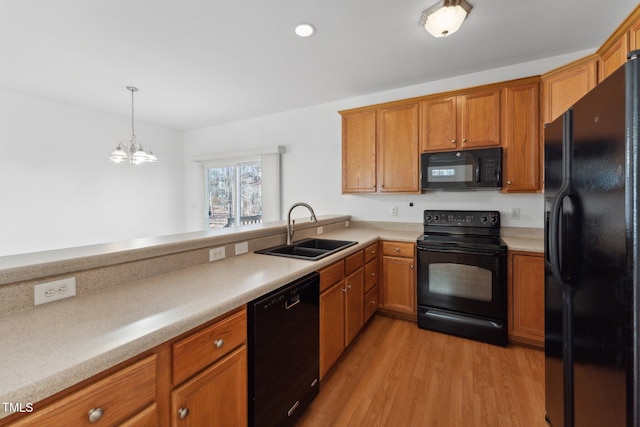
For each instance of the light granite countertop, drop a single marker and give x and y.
(53, 346)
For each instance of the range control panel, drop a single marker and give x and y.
(489, 219)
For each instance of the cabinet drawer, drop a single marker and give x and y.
(331, 275)
(370, 252)
(197, 351)
(370, 274)
(371, 302)
(401, 249)
(117, 397)
(148, 417)
(354, 262)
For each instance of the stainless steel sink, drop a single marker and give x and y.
(309, 249)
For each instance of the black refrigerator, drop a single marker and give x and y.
(592, 177)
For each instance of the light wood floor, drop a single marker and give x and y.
(396, 374)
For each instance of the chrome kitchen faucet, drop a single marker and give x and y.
(290, 223)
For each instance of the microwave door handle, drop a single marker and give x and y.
(478, 167)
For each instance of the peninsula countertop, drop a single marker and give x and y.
(53, 346)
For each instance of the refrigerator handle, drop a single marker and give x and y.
(555, 240)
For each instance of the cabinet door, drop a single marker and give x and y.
(522, 153)
(563, 89)
(526, 302)
(216, 397)
(332, 327)
(438, 124)
(398, 153)
(354, 305)
(479, 118)
(614, 57)
(399, 284)
(359, 152)
(634, 36)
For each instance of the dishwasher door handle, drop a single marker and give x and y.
(292, 302)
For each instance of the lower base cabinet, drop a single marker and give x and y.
(215, 397)
(398, 292)
(526, 298)
(197, 379)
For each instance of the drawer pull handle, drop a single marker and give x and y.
(95, 414)
(183, 413)
(218, 343)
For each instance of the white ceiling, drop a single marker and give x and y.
(205, 62)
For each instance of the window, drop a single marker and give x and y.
(234, 194)
(241, 188)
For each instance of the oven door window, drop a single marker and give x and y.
(460, 280)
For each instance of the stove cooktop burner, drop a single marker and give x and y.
(462, 229)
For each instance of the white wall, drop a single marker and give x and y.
(311, 167)
(58, 188)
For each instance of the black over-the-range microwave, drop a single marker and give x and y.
(462, 170)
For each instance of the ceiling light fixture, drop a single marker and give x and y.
(305, 30)
(134, 153)
(445, 18)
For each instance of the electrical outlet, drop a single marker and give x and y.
(242, 248)
(319, 230)
(394, 211)
(53, 291)
(515, 213)
(346, 224)
(216, 254)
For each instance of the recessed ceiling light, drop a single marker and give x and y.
(305, 30)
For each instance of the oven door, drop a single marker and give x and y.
(463, 293)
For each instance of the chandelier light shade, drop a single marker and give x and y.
(132, 153)
(445, 18)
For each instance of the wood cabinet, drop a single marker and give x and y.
(526, 297)
(128, 393)
(613, 56)
(634, 34)
(471, 120)
(398, 153)
(564, 87)
(522, 145)
(359, 152)
(199, 378)
(347, 288)
(215, 397)
(371, 274)
(398, 291)
(380, 150)
(215, 358)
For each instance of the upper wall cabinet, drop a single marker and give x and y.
(398, 155)
(634, 35)
(359, 152)
(522, 160)
(471, 120)
(380, 150)
(613, 56)
(565, 86)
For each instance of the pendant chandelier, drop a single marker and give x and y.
(134, 153)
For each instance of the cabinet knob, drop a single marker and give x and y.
(344, 290)
(95, 414)
(373, 274)
(219, 343)
(183, 413)
(373, 301)
(453, 141)
(509, 182)
(411, 266)
(397, 249)
(349, 287)
(373, 252)
(464, 139)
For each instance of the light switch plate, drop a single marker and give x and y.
(242, 248)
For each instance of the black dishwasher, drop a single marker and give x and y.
(283, 335)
